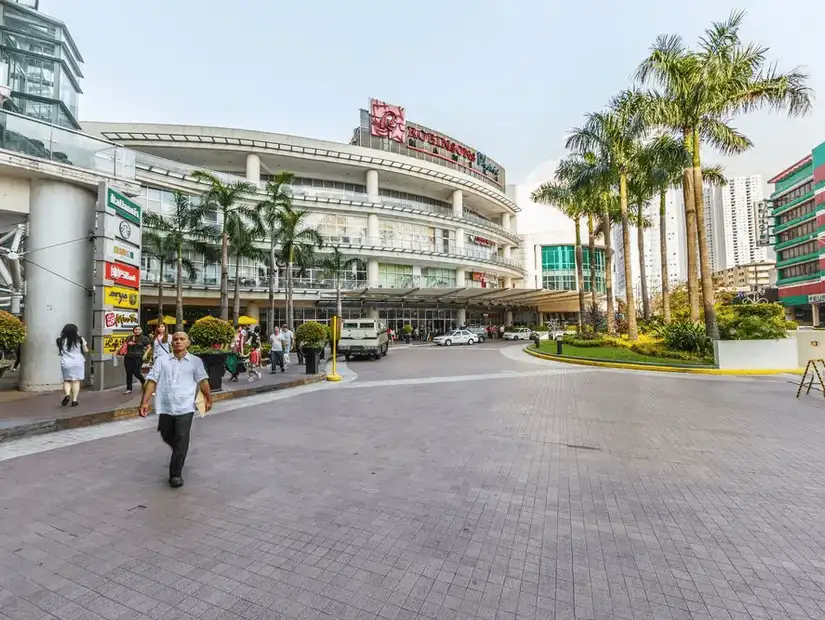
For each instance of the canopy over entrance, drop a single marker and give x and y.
(510, 298)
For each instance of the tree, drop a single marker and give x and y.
(242, 239)
(279, 197)
(335, 265)
(185, 230)
(162, 249)
(297, 242)
(701, 92)
(614, 138)
(225, 198)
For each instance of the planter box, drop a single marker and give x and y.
(756, 354)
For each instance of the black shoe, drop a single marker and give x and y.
(65, 400)
(74, 403)
(175, 482)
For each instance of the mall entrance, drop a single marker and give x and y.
(428, 320)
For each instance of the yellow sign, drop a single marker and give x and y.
(336, 328)
(121, 297)
(113, 342)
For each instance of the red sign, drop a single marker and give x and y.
(479, 240)
(388, 121)
(125, 275)
(440, 141)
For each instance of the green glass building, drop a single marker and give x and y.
(558, 268)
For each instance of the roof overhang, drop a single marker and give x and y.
(496, 297)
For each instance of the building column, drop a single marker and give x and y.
(815, 314)
(372, 313)
(372, 273)
(253, 168)
(459, 240)
(508, 317)
(460, 317)
(508, 251)
(539, 317)
(373, 230)
(537, 266)
(372, 183)
(61, 217)
(508, 282)
(460, 277)
(505, 221)
(253, 311)
(458, 203)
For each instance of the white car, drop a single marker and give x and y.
(522, 333)
(458, 336)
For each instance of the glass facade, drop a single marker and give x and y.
(395, 276)
(434, 277)
(558, 268)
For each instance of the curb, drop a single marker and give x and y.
(582, 361)
(90, 419)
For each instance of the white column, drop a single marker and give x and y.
(508, 317)
(458, 203)
(537, 257)
(505, 221)
(372, 183)
(815, 314)
(59, 213)
(253, 311)
(372, 272)
(253, 168)
(460, 277)
(460, 317)
(372, 313)
(373, 231)
(459, 239)
(508, 251)
(508, 282)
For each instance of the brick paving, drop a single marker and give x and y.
(586, 495)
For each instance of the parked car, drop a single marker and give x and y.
(521, 333)
(458, 336)
(479, 331)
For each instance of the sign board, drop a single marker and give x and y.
(122, 206)
(114, 250)
(125, 275)
(113, 342)
(115, 227)
(819, 298)
(121, 297)
(120, 319)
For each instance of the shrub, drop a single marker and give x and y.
(407, 329)
(746, 321)
(12, 332)
(211, 332)
(653, 325)
(575, 341)
(311, 334)
(791, 325)
(686, 336)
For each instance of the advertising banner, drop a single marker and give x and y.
(120, 319)
(113, 342)
(115, 250)
(120, 297)
(121, 205)
(124, 230)
(125, 275)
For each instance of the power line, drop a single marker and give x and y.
(48, 247)
(88, 290)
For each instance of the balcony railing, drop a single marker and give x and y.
(35, 138)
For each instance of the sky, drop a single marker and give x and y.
(509, 78)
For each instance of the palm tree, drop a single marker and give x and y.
(279, 197)
(702, 90)
(161, 248)
(225, 198)
(614, 137)
(242, 238)
(297, 242)
(185, 230)
(335, 265)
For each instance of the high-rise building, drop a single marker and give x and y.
(732, 223)
(39, 64)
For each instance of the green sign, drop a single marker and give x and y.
(124, 207)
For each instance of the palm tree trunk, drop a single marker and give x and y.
(608, 274)
(338, 304)
(224, 273)
(580, 273)
(691, 236)
(179, 293)
(236, 305)
(632, 329)
(711, 327)
(591, 240)
(270, 311)
(640, 239)
(663, 255)
(160, 292)
(289, 308)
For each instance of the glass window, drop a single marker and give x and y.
(433, 277)
(395, 276)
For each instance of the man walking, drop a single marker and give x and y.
(175, 379)
(276, 351)
(287, 337)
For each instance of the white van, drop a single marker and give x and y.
(363, 337)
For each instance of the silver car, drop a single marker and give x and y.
(458, 336)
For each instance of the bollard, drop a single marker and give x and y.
(536, 341)
(559, 343)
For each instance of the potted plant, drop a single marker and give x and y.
(407, 331)
(12, 335)
(211, 339)
(313, 338)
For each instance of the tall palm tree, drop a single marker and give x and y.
(242, 238)
(614, 137)
(185, 230)
(702, 90)
(279, 196)
(335, 265)
(297, 242)
(225, 198)
(162, 248)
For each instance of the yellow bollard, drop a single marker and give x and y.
(336, 332)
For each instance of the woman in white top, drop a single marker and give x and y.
(162, 342)
(71, 349)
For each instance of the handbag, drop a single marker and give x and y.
(124, 348)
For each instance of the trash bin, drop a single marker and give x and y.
(312, 356)
(559, 343)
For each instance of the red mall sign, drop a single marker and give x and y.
(440, 141)
(125, 275)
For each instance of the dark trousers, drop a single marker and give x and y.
(132, 366)
(174, 429)
(277, 359)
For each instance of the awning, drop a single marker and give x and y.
(487, 297)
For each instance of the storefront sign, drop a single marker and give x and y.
(442, 142)
(819, 298)
(120, 319)
(120, 297)
(124, 207)
(115, 226)
(480, 240)
(125, 275)
(116, 251)
(478, 276)
(113, 342)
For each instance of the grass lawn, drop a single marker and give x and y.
(616, 354)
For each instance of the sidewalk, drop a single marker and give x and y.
(32, 413)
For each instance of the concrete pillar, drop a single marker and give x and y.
(460, 317)
(458, 203)
(372, 273)
(253, 311)
(372, 313)
(508, 251)
(372, 183)
(373, 230)
(537, 258)
(253, 168)
(815, 314)
(459, 239)
(508, 282)
(508, 317)
(460, 277)
(539, 317)
(61, 217)
(505, 221)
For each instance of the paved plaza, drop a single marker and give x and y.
(471, 482)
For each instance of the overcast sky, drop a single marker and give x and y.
(509, 78)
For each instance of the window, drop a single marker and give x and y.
(433, 277)
(793, 195)
(407, 235)
(798, 211)
(558, 266)
(794, 232)
(395, 276)
(343, 229)
(799, 250)
(803, 269)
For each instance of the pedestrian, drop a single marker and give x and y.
(18, 356)
(238, 348)
(161, 342)
(133, 351)
(416, 333)
(175, 379)
(71, 348)
(276, 351)
(288, 339)
(254, 354)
